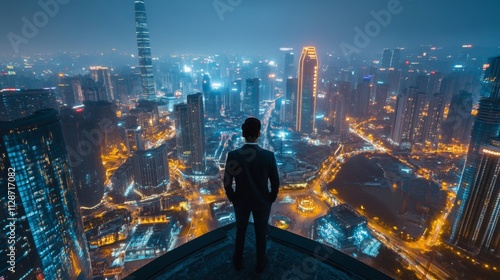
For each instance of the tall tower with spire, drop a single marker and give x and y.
(469, 209)
(144, 50)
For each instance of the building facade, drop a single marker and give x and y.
(151, 172)
(16, 103)
(196, 122)
(49, 240)
(144, 51)
(84, 154)
(307, 91)
(486, 126)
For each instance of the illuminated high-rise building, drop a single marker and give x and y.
(251, 98)
(15, 103)
(386, 59)
(381, 91)
(337, 109)
(134, 139)
(150, 108)
(183, 145)
(235, 97)
(362, 96)
(479, 228)
(206, 85)
(396, 59)
(70, 89)
(196, 122)
(92, 90)
(307, 90)
(433, 121)
(213, 102)
(419, 115)
(49, 237)
(101, 75)
(486, 126)
(144, 51)
(151, 170)
(288, 69)
(289, 108)
(84, 138)
(403, 115)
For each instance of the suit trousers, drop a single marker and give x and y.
(261, 218)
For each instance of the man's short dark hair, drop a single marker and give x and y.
(251, 129)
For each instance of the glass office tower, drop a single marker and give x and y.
(486, 126)
(47, 234)
(307, 90)
(144, 51)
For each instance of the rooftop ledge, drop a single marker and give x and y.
(290, 256)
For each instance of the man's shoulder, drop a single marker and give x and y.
(235, 152)
(267, 152)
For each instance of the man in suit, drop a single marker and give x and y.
(252, 169)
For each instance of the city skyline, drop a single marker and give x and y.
(210, 20)
(387, 146)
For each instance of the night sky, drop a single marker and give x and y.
(182, 26)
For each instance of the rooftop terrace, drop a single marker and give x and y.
(290, 256)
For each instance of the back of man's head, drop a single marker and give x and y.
(251, 129)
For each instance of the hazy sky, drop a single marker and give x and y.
(181, 26)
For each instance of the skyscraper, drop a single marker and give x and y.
(289, 107)
(403, 116)
(103, 114)
(396, 59)
(478, 229)
(419, 115)
(288, 69)
(336, 112)
(144, 50)
(362, 98)
(151, 170)
(458, 123)
(386, 59)
(83, 138)
(486, 126)
(15, 103)
(101, 75)
(251, 98)
(206, 85)
(93, 91)
(307, 90)
(433, 121)
(196, 122)
(70, 90)
(381, 96)
(183, 146)
(235, 97)
(49, 238)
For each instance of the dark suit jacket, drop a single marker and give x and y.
(252, 168)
